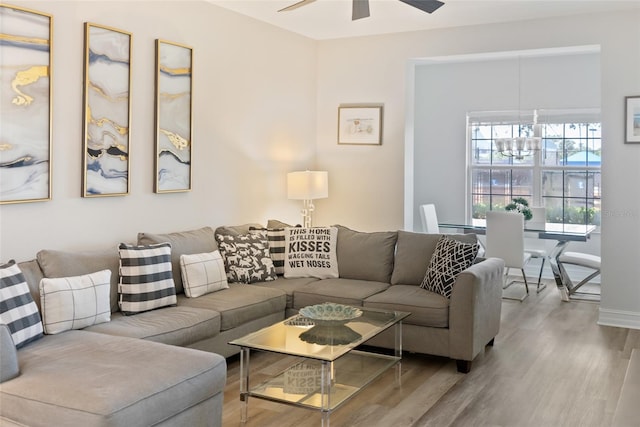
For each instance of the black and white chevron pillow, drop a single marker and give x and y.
(450, 258)
(146, 278)
(17, 309)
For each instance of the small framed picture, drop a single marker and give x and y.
(360, 125)
(632, 119)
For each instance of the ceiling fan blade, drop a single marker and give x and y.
(296, 5)
(428, 6)
(360, 9)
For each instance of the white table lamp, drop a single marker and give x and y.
(307, 186)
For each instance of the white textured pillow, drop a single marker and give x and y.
(203, 273)
(75, 302)
(311, 252)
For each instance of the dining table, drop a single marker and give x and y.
(563, 234)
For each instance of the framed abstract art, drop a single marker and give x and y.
(107, 111)
(174, 82)
(25, 105)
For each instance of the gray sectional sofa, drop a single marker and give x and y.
(167, 366)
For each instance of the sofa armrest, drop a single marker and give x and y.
(8, 355)
(475, 308)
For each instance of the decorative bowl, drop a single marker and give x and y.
(330, 313)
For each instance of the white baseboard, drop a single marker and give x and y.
(619, 318)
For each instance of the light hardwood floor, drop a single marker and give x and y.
(551, 365)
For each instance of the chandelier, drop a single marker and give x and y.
(518, 147)
(522, 146)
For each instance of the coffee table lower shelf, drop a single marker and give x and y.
(301, 384)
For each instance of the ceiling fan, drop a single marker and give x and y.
(361, 7)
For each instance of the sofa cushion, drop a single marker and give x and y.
(75, 302)
(68, 263)
(237, 230)
(449, 259)
(311, 252)
(240, 303)
(246, 258)
(341, 291)
(188, 242)
(288, 285)
(17, 309)
(178, 325)
(146, 279)
(413, 254)
(426, 308)
(33, 274)
(101, 380)
(202, 273)
(366, 256)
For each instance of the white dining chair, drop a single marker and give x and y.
(429, 218)
(582, 260)
(505, 240)
(537, 222)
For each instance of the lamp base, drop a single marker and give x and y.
(307, 213)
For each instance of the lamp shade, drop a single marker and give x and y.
(307, 185)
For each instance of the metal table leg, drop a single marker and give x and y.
(244, 383)
(326, 377)
(559, 274)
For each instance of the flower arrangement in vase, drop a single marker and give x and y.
(519, 204)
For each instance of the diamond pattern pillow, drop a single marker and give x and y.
(17, 309)
(246, 258)
(202, 273)
(75, 302)
(449, 259)
(146, 279)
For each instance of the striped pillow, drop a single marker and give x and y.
(146, 278)
(17, 309)
(275, 238)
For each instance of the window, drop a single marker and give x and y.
(564, 176)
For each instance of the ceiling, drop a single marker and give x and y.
(331, 19)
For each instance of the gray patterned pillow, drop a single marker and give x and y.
(246, 258)
(450, 258)
(17, 309)
(146, 278)
(275, 238)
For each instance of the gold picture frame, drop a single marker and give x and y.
(173, 117)
(26, 95)
(107, 111)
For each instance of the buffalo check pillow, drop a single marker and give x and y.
(17, 309)
(146, 278)
(450, 258)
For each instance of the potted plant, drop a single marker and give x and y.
(519, 204)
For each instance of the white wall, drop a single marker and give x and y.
(254, 120)
(367, 182)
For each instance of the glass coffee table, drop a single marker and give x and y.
(327, 369)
